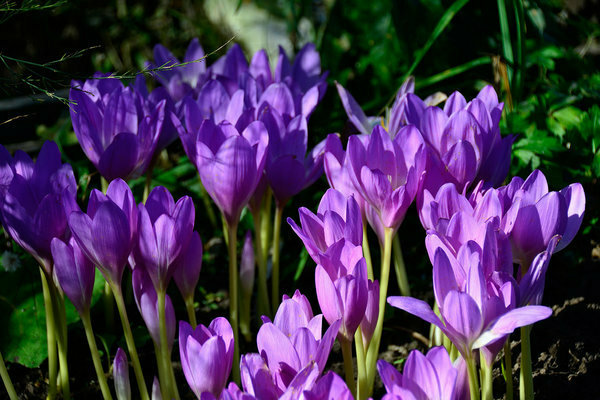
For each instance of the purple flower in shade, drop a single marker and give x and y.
(206, 355)
(247, 267)
(147, 303)
(536, 215)
(386, 172)
(336, 226)
(289, 168)
(118, 128)
(187, 267)
(74, 272)
(369, 321)
(476, 312)
(164, 231)
(156, 394)
(343, 297)
(36, 200)
(179, 81)
(329, 387)
(364, 124)
(293, 340)
(106, 233)
(230, 164)
(430, 376)
(121, 375)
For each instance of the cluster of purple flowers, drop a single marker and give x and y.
(245, 127)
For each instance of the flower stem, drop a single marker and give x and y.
(233, 298)
(361, 385)
(167, 387)
(367, 250)
(473, 380)
(89, 333)
(348, 367)
(263, 293)
(191, 311)
(6, 379)
(508, 369)
(373, 351)
(266, 225)
(50, 337)
(400, 268)
(275, 276)
(487, 390)
(208, 206)
(137, 368)
(60, 321)
(526, 381)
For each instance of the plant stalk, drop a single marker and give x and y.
(191, 311)
(233, 298)
(60, 321)
(10, 389)
(348, 367)
(276, 239)
(137, 368)
(367, 250)
(263, 293)
(473, 379)
(508, 369)
(50, 337)
(89, 333)
(487, 390)
(400, 267)
(361, 384)
(167, 387)
(526, 379)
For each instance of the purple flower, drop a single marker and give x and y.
(187, 267)
(146, 300)
(369, 321)
(329, 387)
(230, 164)
(386, 172)
(121, 375)
(338, 221)
(106, 234)
(430, 376)
(118, 129)
(343, 298)
(476, 312)
(184, 79)
(164, 230)
(247, 267)
(206, 355)
(293, 340)
(36, 200)
(74, 272)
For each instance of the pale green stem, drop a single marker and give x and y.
(60, 321)
(263, 293)
(276, 239)
(373, 351)
(487, 390)
(89, 333)
(169, 388)
(148, 183)
(12, 394)
(233, 298)
(107, 297)
(453, 352)
(526, 381)
(266, 225)
(400, 268)
(361, 385)
(348, 367)
(161, 369)
(103, 184)
(436, 336)
(245, 317)
(367, 250)
(473, 379)
(51, 337)
(508, 369)
(191, 311)
(137, 368)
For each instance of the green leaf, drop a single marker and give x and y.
(596, 164)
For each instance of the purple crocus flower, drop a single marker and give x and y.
(106, 234)
(206, 355)
(164, 230)
(343, 298)
(230, 164)
(474, 313)
(293, 340)
(146, 300)
(386, 172)
(117, 128)
(338, 219)
(187, 267)
(329, 387)
(184, 79)
(430, 376)
(369, 321)
(74, 273)
(121, 375)
(36, 200)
